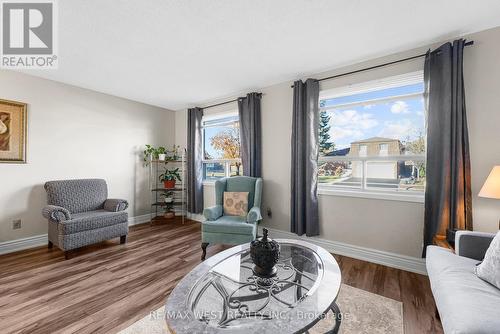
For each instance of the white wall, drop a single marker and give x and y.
(76, 133)
(384, 225)
(482, 87)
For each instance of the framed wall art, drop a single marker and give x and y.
(13, 131)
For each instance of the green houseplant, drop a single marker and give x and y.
(169, 177)
(167, 196)
(168, 210)
(173, 155)
(162, 153)
(152, 153)
(148, 154)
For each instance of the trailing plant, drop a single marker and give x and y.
(148, 153)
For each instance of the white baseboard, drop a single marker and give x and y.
(24, 243)
(408, 263)
(139, 220)
(196, 217)
(41, 240)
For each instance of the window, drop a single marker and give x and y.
(376, 138)
(384, 150)
(221, 146)
(363, 149)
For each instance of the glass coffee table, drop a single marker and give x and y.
(222, 294)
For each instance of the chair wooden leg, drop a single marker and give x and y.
(204, 249)
(50, 245)
(123, 239)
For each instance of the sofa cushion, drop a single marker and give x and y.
(92, 220)
(489, 269)
(229, 225)
(466, 303)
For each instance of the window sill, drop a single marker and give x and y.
(415, 198)
(209, 183)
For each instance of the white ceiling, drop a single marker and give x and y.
(178, 53)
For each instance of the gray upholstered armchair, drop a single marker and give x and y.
(232, 230)
(80, 214)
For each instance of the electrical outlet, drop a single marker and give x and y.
(16, 224)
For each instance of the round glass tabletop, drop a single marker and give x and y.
(222, 294)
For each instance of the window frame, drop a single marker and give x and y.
(383, 152)
(364, 87)
(363, 150)
(365, 191)
(225, 162)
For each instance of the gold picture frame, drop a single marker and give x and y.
(13, 131)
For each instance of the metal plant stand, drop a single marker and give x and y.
(179, 204)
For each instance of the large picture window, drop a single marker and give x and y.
(221, 146)
(373, 136)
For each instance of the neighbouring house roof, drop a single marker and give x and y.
(341, 152)
(374, 140)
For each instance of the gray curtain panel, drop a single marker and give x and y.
(195, 161)
(250, 134)
(448, 199)
(305, 132)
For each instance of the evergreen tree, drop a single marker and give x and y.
(325, 145)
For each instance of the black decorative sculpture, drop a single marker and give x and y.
(265, 253)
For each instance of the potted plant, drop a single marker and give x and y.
(170, 177)
(169, 212)
(162, 153)
(152, 153)
(168, 196)
(173, 154)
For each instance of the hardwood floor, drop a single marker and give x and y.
(106, 287)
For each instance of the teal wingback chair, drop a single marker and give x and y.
(232, 230)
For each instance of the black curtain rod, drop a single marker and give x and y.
(380, 65)
(222, 103)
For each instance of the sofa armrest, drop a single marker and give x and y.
(254, 215)
(56, 213)
(472, 244)
(213, 212)
(115, 205)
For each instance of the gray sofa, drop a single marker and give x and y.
(80, 213)
(466, 303)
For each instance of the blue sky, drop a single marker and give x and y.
(398, 119)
